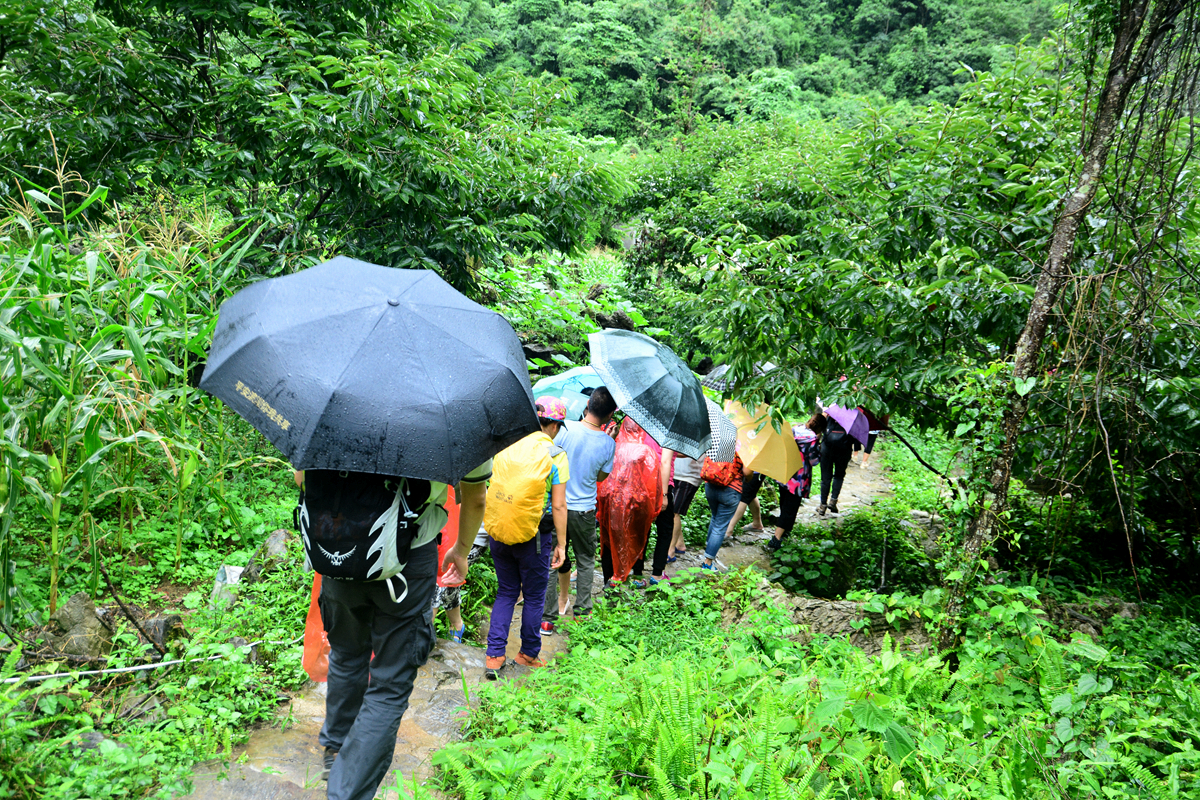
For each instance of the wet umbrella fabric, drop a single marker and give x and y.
(651, 384)
(574, 387)
(851, 419)
(352, 366)
(762, 448)
(724, 433)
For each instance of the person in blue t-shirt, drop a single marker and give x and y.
(590, 453)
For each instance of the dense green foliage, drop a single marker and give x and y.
(355, 127)
(659, 700)
(643, 68)
(816, 183)
(891, 263)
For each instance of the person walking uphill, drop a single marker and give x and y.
(378, 606)
(527, 501)
(590, 457)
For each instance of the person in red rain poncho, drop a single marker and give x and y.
(627, 502)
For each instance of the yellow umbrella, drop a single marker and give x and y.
(762, 448)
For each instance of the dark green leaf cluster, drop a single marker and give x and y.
(359, 127)
(643, 68)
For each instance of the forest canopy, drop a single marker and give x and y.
(643, 67)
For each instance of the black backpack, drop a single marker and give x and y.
(359, 526)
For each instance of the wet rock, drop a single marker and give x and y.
(617, 319)
(533, 350)
(165, 629)
(145, 707)
(1090, 617)
(251, 656)
(267, 558)
(844, 618)
(597, 291)
(78, 629)
(91, 740)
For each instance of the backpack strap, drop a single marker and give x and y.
(391, 587)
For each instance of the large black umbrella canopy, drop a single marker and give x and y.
(651, 384)
(352, 366)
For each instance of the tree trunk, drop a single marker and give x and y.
(1125, 68)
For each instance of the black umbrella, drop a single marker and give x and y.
(353, 366)
(651, 384)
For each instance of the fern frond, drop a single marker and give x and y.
(1145, 779)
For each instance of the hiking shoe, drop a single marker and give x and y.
(493, 666)
(821, 510)
(774, 544)
(712, 567)
(529, 661)
(833, 507)
(328, 759)
(664, 578)
(637, 584)
(547, 629)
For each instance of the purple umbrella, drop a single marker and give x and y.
(853, 420)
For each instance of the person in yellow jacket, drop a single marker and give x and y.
(527, 500)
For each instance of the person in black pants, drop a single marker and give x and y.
(835, 455)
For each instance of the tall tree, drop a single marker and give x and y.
(1151, 40)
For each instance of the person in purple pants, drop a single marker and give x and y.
(524, 566)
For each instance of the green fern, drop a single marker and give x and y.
(1146, 779)
(662, 784)
(518, 786)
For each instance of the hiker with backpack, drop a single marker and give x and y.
(835, 456)
(590, 456)
(373, 539)
(793, 493)
(526, 521)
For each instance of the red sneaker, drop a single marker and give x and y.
(548, 629)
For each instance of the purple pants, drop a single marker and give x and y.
(520, 568)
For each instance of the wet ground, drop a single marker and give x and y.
(282, 762)
(862, 487)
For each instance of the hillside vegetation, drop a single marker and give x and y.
(1002, 256)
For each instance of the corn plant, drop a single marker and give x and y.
(101, 328)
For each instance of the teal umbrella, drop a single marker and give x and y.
(574, 387)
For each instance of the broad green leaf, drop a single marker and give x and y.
(897, 743)
(871, 717)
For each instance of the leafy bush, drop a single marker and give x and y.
(746, 712)
(869, 549)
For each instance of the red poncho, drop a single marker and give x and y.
(629, 499)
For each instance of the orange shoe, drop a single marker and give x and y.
(529, 661)
(493, 666)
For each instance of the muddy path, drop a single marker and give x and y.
(283, 761)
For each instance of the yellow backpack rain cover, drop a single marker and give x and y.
(517, 494)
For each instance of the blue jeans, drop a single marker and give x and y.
(723, 501)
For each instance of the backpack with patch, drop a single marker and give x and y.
(359, 526)
(517, 495)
